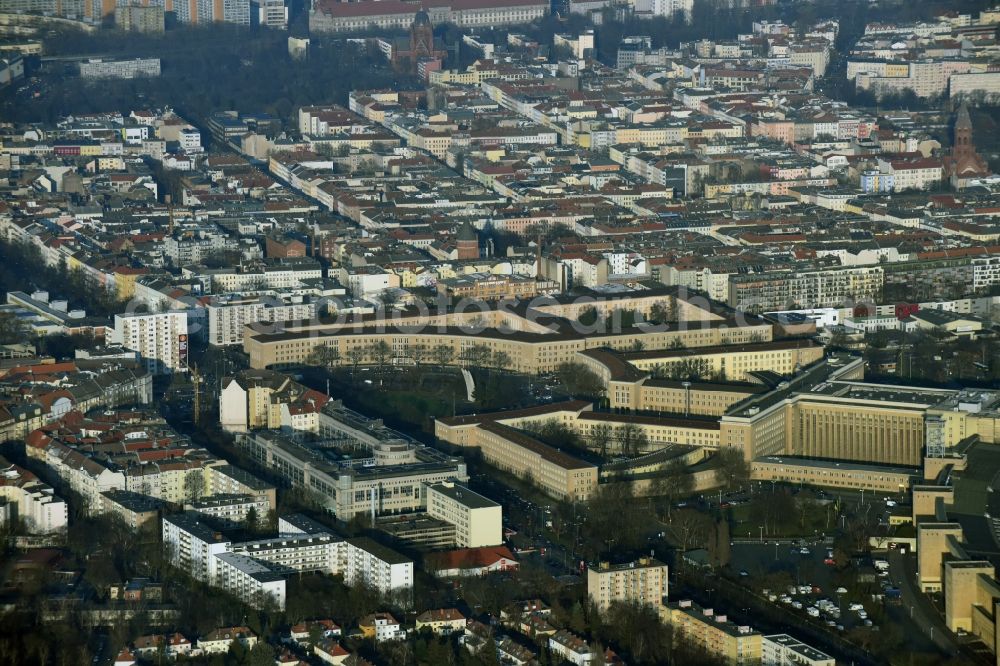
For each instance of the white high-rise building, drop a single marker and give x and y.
(271, 13)
(665, 8)
(161, 339)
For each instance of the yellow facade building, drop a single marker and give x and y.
(713, 633)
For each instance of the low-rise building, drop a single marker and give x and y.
(443, 621)
(381, 627)
(219, 641)
(570, 647)
(470, 562)
(120, 69)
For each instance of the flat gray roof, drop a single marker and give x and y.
(464, 496)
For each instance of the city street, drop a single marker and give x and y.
(902, 571)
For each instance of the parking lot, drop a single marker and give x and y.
(811, 588)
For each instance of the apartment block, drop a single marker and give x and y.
(257, 569)
(231, 510)
(229, 315)
(714, 633)
(296, 553)
(131, 508)
(192, 545)
(250, 580)
(136, 18)
(270, 13)
(785, 650)
(478, 521)
(643, 581)
(24, 498)
(370, 563)
(230, 480)
(161, 339)
(808, 289)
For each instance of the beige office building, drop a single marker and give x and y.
(731, 362)
(559, 474)
(536, 339)
(832, 474)
(823, 414)
(970, 590)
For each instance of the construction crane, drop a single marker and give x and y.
(196, 378)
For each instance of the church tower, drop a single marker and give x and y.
(421, 36)
(467, 242)
(963, 146)
(966, 163)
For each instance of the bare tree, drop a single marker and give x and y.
(194, 484)
(600, 436)
(355, 355)
(675, 483)
(380, 353)
(733, 470)
(325, 356)
(631, 439)
(443, 355)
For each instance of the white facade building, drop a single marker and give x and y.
(119, 69)
(161, 339)
(228, 316)
(191, 545)
(271, 13)
(30, 500)
(478, 521)
(784, 650)
(254, 570)
(189, 139)
(376, 566)
(250, 580)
